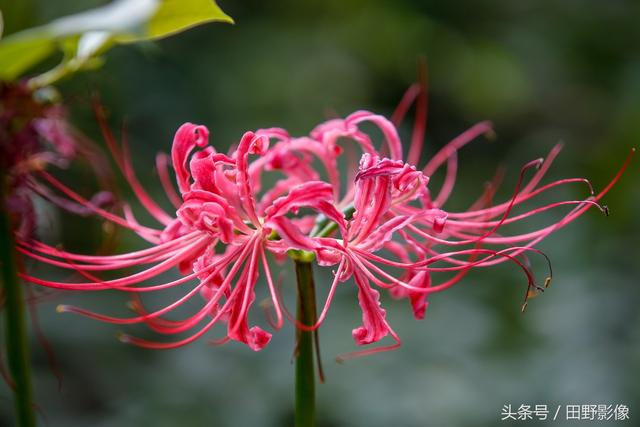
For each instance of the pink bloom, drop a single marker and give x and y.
(219, 205)
(227, 222)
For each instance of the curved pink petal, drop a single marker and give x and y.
(385, 125)
(186, 139)
(374, 325)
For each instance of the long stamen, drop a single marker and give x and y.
(162, 168)
(272, 291)
(191, 322)
(449, 182)
(323, 314)
(420, 122)
(507, 211)
(95, 259)
(457, 143)
(107, 215)
(127, 169)
(97, 284)
(355, 354)
(219, 266)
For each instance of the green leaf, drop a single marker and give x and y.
(174, 16)
(92, 32)
(19, 53)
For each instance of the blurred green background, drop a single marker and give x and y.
(542, 71)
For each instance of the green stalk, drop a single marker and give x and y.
(16, 327)
(305, 374)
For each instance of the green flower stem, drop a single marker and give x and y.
(305, 374)
(50, 77)
(16, 327)
(324, 227)
(61, 71)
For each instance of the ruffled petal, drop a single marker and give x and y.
(292, 236)
(374, 325)
(249, 144)
(186, 139)
(372, 200)
(383, 234)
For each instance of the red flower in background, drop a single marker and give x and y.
(35, 134)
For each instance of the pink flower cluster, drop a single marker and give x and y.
(275, 195)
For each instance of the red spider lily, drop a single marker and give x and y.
(218, 205)
(385, 220)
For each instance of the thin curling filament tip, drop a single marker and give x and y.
(591, 189)
(61, 308)
(533, 292)
(265, 303)
(123, 338)
(524, 306)
(491, 135)
(605, 210)
(547, 282)
(108, 227)
(539, 163)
